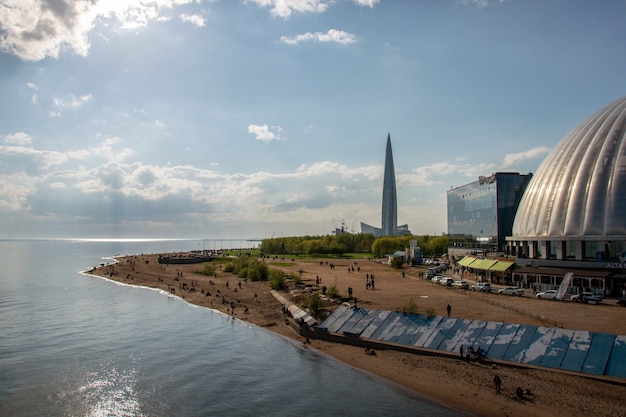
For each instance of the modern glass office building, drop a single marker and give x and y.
(481, 213)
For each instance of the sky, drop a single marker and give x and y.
(268, 118)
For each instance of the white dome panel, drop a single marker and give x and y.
(580, 188)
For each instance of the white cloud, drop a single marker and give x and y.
(114, 190)
(284, 8)
(69, 102)
(369, 3)
(481, 3)
(266, 133)
(514, 159)
(18, 138)
(37, 29)
(194, 19)
(108, 150)
(332, 35)
(72, 101)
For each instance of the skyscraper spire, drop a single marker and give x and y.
(390, 202)
(389, 226)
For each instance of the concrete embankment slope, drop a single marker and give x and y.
(598, 354)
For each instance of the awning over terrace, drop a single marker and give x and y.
(501, 266)
(467, 261)
(485, 264)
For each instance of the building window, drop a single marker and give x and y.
(552, 248)
(591, 252)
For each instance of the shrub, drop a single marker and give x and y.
(257, 271)
(430, 312)
(242, 272)
(332, 292)
(207, 269)
(314, 302)
(296, 278)
(410, 307)
(277, 279)
(247, 267)
(397, 263)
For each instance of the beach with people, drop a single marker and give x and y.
(472, 386)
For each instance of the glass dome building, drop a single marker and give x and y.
(573, 212)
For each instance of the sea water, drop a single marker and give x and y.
(77, 345)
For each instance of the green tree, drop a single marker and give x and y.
(337, 248)
(387, 245)
(257, 271)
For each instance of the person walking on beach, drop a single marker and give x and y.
(497, 382)
(449, 308)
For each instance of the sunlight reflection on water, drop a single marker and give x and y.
(111, 392)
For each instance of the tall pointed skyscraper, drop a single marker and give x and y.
(390, 201)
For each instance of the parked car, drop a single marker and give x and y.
(586, 297)
(436, 279)
(482, 286)
(447, 281)
(546, 295)
(511, 291)
(461, 284)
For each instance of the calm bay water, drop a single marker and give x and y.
(77, 345)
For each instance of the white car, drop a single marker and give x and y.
(436, 279)
(446, 281)
(586, 297)
(482, 286)
(461, 284)
(511, 291)
(546, 295)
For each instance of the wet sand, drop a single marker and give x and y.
(464, 385)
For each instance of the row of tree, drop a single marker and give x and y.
(340, 244)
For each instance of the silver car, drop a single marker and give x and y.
(586, 297)
(546, 295)
(511, 291)
(482, 287)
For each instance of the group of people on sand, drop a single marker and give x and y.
(369, 281)
(520, 393)
(477, 354)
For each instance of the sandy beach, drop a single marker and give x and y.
(465, 385)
